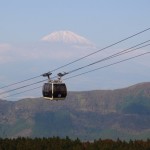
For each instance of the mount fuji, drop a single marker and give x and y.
(67, 37)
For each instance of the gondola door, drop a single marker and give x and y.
(48, 91)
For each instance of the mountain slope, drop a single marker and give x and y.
(123, 113)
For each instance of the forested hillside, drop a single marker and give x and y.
(122, 113)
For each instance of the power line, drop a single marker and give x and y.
(80, 58)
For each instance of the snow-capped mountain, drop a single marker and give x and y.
(66, 37)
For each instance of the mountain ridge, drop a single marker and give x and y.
(121, 113)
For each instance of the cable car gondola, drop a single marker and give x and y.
(54, 90)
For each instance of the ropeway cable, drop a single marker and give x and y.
(118, 62)
(102, 49)
(129, 37)
(18, 88)
(23, 92)
(107, 65)
(21, 87)
(109, 57)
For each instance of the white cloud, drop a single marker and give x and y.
(40, 51)
(5, 50)
(4, 46)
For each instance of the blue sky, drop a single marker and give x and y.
(103, 22)
(28, 20)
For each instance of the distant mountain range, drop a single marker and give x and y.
(122, 113)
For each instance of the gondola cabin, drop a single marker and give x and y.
(54, 91)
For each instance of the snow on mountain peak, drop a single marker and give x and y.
(66, 37)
